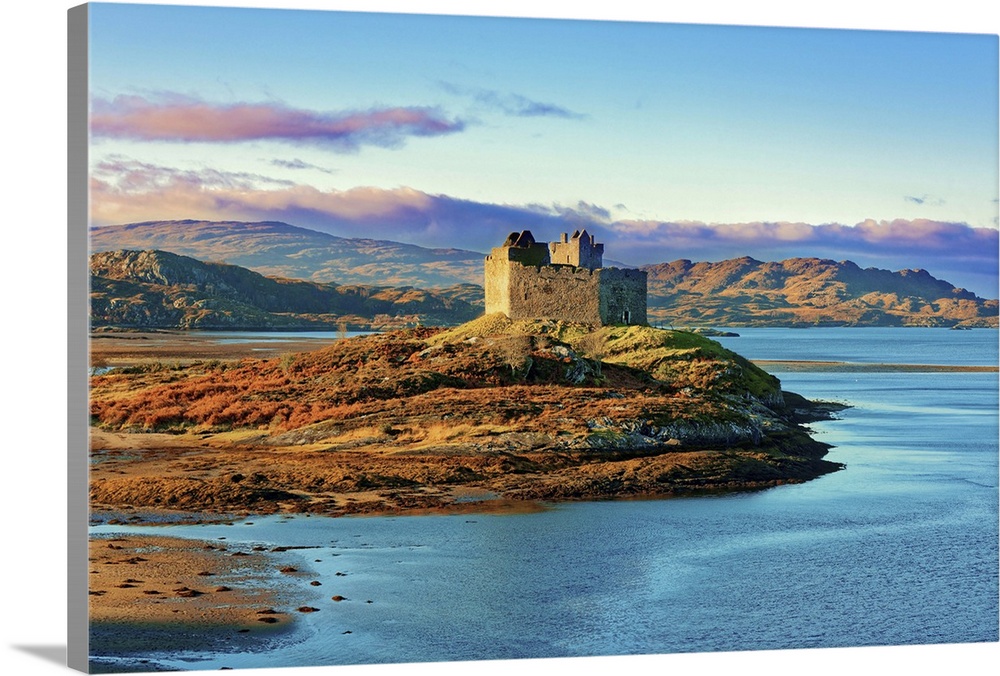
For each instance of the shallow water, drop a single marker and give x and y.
(235, 337)
(899, 548)
(976, 347)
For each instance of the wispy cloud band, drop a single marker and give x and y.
(180, 119)
(123, 193)
(869, 238)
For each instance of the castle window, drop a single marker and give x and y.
(626, 316)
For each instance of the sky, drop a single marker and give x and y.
(667, 141)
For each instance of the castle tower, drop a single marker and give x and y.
(562, 280)
(580, 250)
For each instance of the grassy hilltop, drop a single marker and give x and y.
(424, 418)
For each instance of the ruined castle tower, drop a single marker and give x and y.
(562, 280)
(580, 250)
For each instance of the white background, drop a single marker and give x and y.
(34, 255)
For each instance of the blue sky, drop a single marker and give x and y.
(670, 141)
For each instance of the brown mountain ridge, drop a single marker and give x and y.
(278, 249)
(735, 292)
(808, 292)
(161, 290)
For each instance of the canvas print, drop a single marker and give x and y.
(420, 338)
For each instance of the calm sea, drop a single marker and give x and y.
(899, 548)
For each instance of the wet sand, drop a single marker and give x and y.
(179, 347)
(152, 594)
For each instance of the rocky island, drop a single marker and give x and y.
(486, 415)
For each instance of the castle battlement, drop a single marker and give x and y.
(562, 280)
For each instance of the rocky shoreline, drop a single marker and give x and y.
(170, 596)
(413, 421)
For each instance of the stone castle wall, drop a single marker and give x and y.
(622, 297)
(497, 284)
(523, 281)
(554, 292)
(565, 293)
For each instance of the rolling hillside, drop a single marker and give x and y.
(808, 292)
(157, 289)
(282, 250)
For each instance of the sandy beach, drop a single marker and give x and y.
(128, 348)
(151, 594)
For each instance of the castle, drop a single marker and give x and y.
(562, 280)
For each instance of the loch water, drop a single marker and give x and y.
(899, 548)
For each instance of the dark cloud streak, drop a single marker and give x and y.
(300, 164)
(514, 105)
(924, 200)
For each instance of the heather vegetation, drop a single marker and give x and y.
(295, 390)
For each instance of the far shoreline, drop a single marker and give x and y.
(873, 367)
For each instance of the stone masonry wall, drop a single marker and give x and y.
(579, 251)
(564, 293)
(497, 284)
(622, 296)
(554, 292)
(523, 281)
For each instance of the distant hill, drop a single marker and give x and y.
(808, 292)
(282, 250)
(157, 289)
(736, 292)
